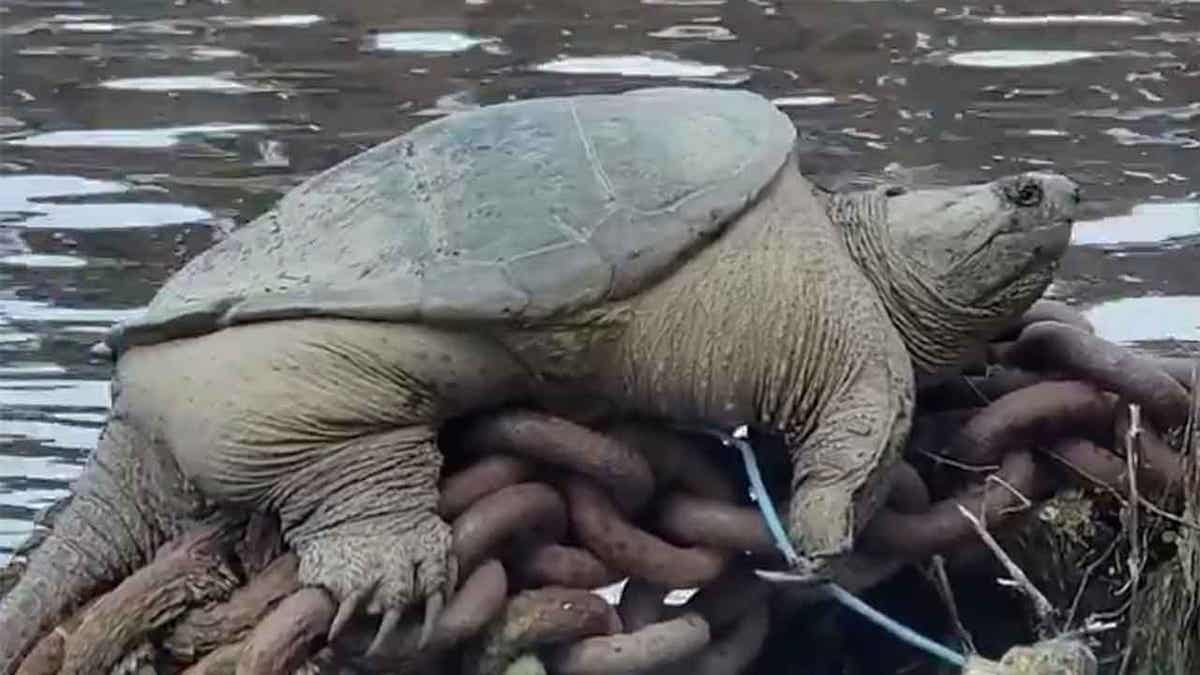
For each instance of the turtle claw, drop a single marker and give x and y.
(387, 627)
(346, 611)
(378, 576)
(433, 611)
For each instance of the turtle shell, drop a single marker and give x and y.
(516, 211)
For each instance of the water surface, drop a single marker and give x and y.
(134, 133)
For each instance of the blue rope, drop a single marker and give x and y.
(833, 590)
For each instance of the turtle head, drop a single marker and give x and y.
(991, 245)
(954, 265)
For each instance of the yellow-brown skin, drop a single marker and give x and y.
(266, 415)
(331, 422)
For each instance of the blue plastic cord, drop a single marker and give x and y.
(758, 490)
(839, 594)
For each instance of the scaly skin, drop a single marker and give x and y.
(129, 500)
(792, 340)
(331, 424)
(954, 265)
(790, 321)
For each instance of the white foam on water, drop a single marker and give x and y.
(60, 17)
(198, 53)
(1036, 21)
(206, 53)
(38, 499)
(162, 137)
(31, 310)
(1124, 320)
(112, 216)
(88, 27)
(426, 42)
(694, 32)
(631, 66)
(89, 418)
(54, 393)
(1145, 224)
(38, 468)
(1020, 58)
(42, 261)
(167, 83)
(13, 532)
(26, 202)
(1174, 138)
(18, 189)
(804, 101)
(70, 436)
(10, 339)
(25, 369)
(1182, 113)
(449, 104)
(1171, 37)
(273, 21)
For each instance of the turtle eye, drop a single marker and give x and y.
(894, 191)
(1028, 194)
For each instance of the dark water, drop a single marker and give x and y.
(133, 133)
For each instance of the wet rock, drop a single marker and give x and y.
(1052, 657)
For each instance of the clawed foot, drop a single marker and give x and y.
(820, 529)
(384, 574)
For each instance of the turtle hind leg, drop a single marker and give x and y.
(130, 499)
(331, 425)
(840, 468)
(362, 517)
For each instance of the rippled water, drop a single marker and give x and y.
(133, 133)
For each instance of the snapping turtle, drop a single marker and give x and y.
(657, 248)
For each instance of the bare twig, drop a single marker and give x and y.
(984, 399)
(937, 573)
(1041, 606)
(946, 460)
(1091, 626)
(1025, 501)
(1090, 477)
(1112, 614)
(1135, 559)
(1120, 498)
(1087, 576)
(1166, 515)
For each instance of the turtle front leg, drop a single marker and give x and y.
(362, 517)
(839, 468)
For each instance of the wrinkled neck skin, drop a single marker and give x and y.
(940, 332)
